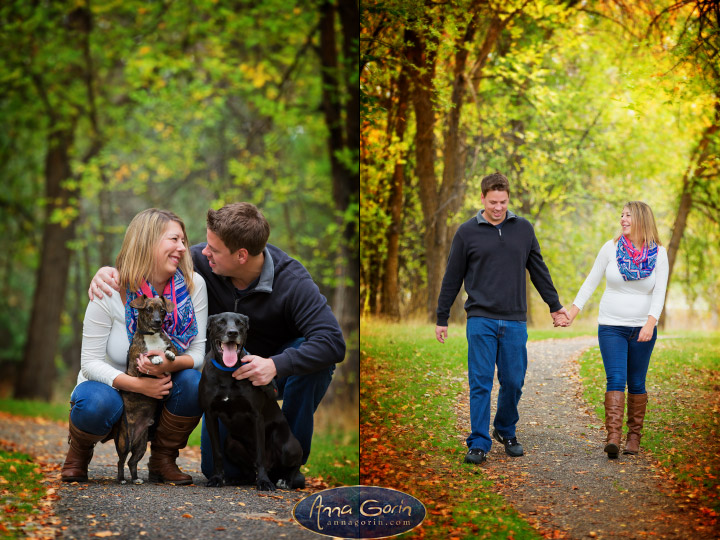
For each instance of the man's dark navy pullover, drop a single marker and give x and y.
(492, 262)
(284, 305)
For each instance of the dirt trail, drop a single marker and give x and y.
(103, 508)
(564, 482)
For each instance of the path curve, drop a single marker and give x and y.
(565, 484)
(103, 508)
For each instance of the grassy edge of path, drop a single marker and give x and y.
(409, 388)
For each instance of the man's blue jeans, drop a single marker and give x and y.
(626, 359)
(494, 342)
(301, 395)
(95, 406)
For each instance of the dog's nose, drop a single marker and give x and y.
(232, 333)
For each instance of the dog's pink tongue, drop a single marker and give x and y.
(229, 354)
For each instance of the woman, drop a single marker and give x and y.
(154, 258)
(635, 266)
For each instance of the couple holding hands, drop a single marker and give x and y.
(490, 253)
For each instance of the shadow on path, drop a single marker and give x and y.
(564, 484)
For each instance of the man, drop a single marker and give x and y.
(294, 338)
(490, 253)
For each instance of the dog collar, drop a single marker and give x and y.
(221, 367)
(225, 368)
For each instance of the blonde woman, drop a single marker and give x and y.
(635, 266)
(154, 260)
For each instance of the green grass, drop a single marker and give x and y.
(409, 387)
(42, 409)
(20, 493)
(682, 422)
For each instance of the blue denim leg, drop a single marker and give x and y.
(511, 366)
(95, 407)
(183, 398)
(638, 363)
(482, 354)
(626, 360)
(301, 395)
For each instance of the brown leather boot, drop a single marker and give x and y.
(171, 436)
(614, 415)
(75, 468)
(637, 404)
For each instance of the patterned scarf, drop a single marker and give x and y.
(635, 264)
(180, 326)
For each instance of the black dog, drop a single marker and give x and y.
(258, 435)
(139, 409)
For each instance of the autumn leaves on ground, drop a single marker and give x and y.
(409, 389)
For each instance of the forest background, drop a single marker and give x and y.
(584, 105)
(111, 107)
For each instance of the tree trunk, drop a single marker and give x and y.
(695, 170)
(422, 72)
(390, 304)
(38, 371)
(346, 182)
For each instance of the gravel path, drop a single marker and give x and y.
(565, 484)
(103, 508)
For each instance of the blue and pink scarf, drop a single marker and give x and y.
(635, 263)
(180, 325)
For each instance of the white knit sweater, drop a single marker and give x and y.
(625, 303)
(105, 342)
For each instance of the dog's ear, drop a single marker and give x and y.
(169, 306)
(139, 302)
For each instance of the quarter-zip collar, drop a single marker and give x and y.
(267, 275)
(481, 219)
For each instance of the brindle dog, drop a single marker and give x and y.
(140, 410)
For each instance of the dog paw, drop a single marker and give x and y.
(215, 481)
(122, 482)
(156, 361)
(265, 485)
(137, 481)
(170, 355)
(283, 484)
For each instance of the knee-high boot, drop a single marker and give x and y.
(82, 445)
(614, 415)
(171, 436)
(637, 404)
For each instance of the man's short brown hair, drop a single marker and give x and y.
(495, 182)
(240, 225)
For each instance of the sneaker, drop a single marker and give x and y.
(512, 447)
(475, 456)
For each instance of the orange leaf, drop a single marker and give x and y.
(187, 515)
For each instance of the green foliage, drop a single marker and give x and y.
(184, 106)
(574, 106)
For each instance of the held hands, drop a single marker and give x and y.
(259, 370)
(104, 281)
(561, 318)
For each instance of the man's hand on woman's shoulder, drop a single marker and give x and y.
(104, 281)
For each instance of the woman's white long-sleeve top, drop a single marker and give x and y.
(625, 303)
(105, 341)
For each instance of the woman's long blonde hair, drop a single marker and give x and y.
(136, 260)
(643, 224)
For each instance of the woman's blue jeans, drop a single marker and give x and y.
(95, 406)
(301, 395)
(626, 359)
(494, 342)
